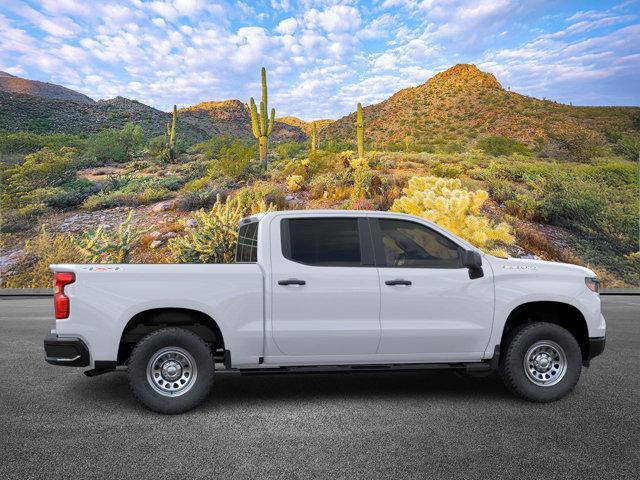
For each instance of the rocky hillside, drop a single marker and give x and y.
(464, 103)
(232, 117)
(46, 108)
(305, 126)
(12, 85)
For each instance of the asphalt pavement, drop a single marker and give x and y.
(55, 423)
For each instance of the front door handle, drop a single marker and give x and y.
(397, 282)
(292, 281)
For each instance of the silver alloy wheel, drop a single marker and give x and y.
(545, 363)
(172, 371)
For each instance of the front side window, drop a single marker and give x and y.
(323, 241)
(247, 247)
(411, 245)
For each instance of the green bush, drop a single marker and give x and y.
(234, 159)
(43, 169)
(23, 218)
(582, 146)
(28, 142)
(116, 145)
(629, 146)
(289, 150)
(498, 146)
(122, 198)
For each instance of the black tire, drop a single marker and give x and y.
(199, 383)
(512, 362)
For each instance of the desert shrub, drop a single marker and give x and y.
(43, 169)
(41, 251)
(260, 191)
(126, 198)
(447, 170)
(190, 200)
(23, 218)
(581, 146)
(157, 145)
(27, 142)
(498, 146)
(211, 148)
(447, 203)
(295, 183)
(116, 145)
(289, 150)
(213, 237)
(523, 206)
(68, 195)
(629, 146)
(107, 245)
(232, 160)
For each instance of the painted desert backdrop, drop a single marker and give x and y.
(119, 181)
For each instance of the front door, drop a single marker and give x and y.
(431, 310)
(325, 288)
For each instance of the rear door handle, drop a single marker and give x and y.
(292, 281)
(397, 282)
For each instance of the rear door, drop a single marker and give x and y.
(325, 288)
(431, 310)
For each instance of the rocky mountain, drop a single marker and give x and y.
(16, 85)
(56, 109)
(305, 126)
(464, 103)
(232, 117)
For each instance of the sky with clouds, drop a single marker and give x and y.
(321, 56)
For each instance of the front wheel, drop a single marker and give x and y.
(171, 370)
(542, 362)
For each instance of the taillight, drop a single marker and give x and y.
(60, 300)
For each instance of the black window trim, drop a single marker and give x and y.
(378, 246)
(367, 257)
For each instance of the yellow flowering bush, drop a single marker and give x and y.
(445, 202)
(295, 182)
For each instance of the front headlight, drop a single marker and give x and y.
(592, 284)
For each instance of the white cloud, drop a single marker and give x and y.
(287, 26)
(335, 19)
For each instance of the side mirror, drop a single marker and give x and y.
(473, 261)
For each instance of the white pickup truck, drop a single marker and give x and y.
(329, 291)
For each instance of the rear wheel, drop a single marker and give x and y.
(171, 370)
(542, 362)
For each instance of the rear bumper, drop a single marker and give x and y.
(66, 351)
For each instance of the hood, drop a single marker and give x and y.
(503, 265)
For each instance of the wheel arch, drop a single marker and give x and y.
(560, 313)
(146, 321)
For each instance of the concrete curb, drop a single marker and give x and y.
(26, 292)
(47, 292)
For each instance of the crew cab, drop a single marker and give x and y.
(318, 291)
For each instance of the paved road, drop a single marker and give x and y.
(56, 423)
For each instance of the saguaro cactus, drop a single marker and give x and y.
(260, 124)
(314, 141)
(360, 132)
(171, 136)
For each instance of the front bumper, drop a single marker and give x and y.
(66, 351)
(595, 348)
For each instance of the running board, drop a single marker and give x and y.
(325, 369)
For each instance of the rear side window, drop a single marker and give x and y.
(247, 247)
(322, 241)
(411, 245)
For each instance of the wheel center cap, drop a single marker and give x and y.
(171, 370)
(543, 362)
